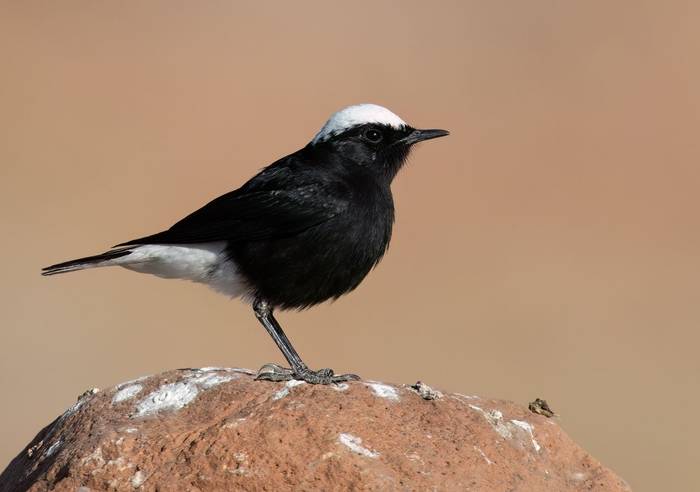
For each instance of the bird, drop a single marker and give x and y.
(306, 229)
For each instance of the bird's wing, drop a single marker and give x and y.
(245, 215)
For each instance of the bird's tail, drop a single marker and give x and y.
(105, 259)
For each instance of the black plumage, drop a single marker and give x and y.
(310, 226)
(306, 229)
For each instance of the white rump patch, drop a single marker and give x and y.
(360, 114)
(205, 263)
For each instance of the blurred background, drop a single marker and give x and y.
(547, 248)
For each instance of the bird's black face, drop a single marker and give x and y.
(382, 148)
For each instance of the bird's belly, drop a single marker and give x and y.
(310, 268)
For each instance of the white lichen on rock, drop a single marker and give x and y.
(483, 455)
(225, 369)
(354, 443)
(132, 381)
(495, 418)
(506, 429)
(137, 479)
(126, 393)
(461, 397)
(95, 458)
(210, 380)
(285, 390)
(81, 401)
(384, 391)
(172, 396)
(120, 463)
(579, 476)
(234, 424)
(53, 448)
(530, 429)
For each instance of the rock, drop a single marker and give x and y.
(219, 429)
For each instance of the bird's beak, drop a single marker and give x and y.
(419, 135)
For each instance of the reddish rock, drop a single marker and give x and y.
(218, 429)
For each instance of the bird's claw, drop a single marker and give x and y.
(273, 372)
(325, 376)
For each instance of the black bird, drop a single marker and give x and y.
(306, 229)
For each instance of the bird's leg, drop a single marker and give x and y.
(299, 370)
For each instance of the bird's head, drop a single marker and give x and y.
(372, 136)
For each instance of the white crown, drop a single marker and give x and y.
(360, 114)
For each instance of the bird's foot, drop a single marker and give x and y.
(273, 372)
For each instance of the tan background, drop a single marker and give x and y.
(548, 248)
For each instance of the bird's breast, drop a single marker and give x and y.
(322, 262)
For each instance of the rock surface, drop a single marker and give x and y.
(218, 429)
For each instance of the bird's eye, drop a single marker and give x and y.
(373, 135)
